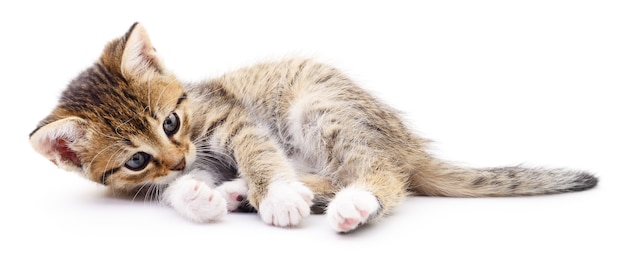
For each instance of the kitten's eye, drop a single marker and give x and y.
(171, 124)
(138, 162)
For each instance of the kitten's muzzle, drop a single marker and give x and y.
(180, 165)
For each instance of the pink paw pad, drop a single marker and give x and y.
(351, 208)
(364, 214)
(351, 223)
(236, 197)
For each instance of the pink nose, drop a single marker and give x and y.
(180, 165)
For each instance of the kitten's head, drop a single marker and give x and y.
(123, 122)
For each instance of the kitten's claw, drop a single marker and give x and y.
(286, 204)
(351, 208)
(195, 200)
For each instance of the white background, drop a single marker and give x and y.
(491, 82)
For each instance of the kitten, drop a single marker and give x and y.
(287, 138)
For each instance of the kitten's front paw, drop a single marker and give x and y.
(195, 200)
(286, 204)
(351, 208)
(234, 192)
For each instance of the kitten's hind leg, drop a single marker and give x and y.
(365, 201)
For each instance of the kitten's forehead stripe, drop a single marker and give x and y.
(135, 100)
(104, 96)
(130, 143)
(181, 99)
(105, 76)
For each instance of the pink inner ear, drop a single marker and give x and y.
(66, 152)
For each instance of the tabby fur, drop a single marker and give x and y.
(295, 135)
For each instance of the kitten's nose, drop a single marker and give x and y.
(180, 165)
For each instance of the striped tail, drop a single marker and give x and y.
(443, 179)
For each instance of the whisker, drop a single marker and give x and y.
(139, 190)
(159, 195)
(215, 158)
(101, 151)
(149, 91)
(115, 154)
(161, 95)
(150, 192)
(109, 136)
(122, 124)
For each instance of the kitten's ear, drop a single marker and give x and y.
(58, 141)
(139, 58)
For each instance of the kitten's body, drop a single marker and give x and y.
(291, 133)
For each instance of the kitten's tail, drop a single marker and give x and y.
(444, 179)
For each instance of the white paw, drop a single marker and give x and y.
(195, 200)
(286, 204)
(351, 208)
(202, 175)
(234, 192)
